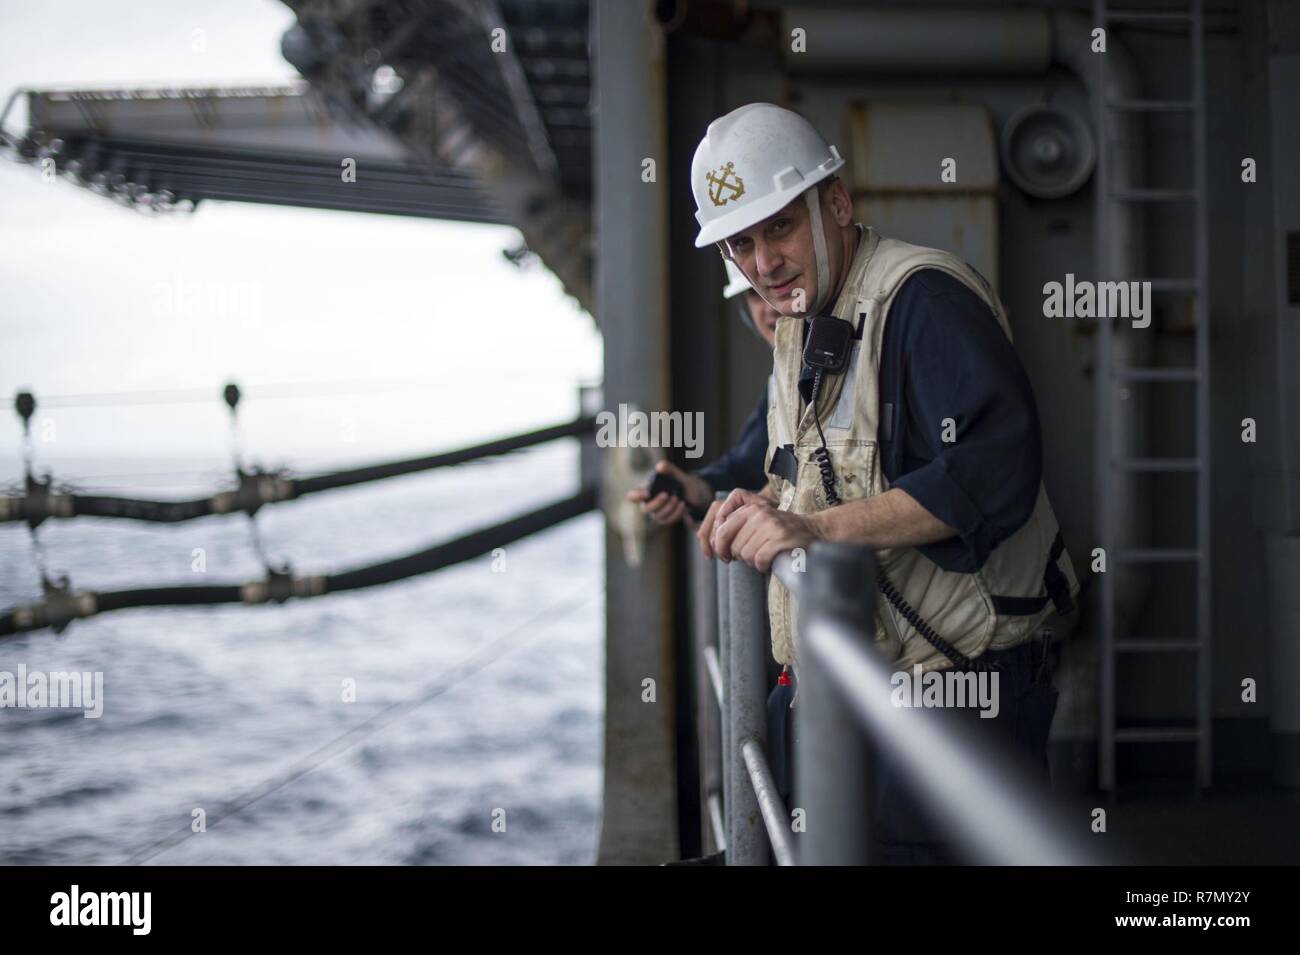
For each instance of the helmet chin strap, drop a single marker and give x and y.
(819, 251)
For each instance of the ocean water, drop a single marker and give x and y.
(211, 707)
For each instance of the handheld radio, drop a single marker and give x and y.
(666, 483)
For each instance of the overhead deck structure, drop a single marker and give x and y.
(160, 150)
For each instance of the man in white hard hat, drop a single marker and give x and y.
(915, 432)
(741, 465)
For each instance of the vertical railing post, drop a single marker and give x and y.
(724, 664)
(834, 781)
(704, 610)
(747, 842)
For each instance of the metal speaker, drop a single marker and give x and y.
(1048, 152)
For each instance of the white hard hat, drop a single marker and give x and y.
(751, 164)
(736, 281)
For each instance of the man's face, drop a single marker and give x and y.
(764, 316)
(777, 256)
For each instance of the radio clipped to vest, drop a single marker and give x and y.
(829, 344)
(827, 350)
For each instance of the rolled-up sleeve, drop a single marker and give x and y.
(971, 448)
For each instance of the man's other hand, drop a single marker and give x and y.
(667, 508)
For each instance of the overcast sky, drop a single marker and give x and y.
(99, 299)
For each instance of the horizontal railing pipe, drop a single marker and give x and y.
(775, 816)
(715, 675)
(715, 819)
(978, 793)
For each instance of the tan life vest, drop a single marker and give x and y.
(1023, 580)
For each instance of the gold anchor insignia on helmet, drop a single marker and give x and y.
(719, 181)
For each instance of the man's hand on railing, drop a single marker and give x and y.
(717, 513)
(748, 527)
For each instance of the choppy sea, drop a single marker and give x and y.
(221, 708)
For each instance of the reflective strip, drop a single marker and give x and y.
(842, 416)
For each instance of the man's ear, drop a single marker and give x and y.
(841, 203)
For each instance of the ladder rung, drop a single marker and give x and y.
(1155, 195)
(1159, 464)
(1156, 734)
(1157, 374)
(1155, 555)
(1157, 646)
(1147, 16)
(1152, 105)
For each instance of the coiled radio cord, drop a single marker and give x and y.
(823, 458)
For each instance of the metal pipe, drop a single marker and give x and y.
(708, 678)
(833, 762)
(1204, 518)
(639, 824)
(724, 658)
(978, 799)
(746, 710)
(775, 815)
(715, 818)
(1120, 516)
(715, 673)
(907, 41)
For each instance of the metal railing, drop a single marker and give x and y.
(989, 805)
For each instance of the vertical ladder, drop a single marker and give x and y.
(1114, 463)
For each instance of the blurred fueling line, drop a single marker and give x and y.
(259, 487)
(61, 604)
